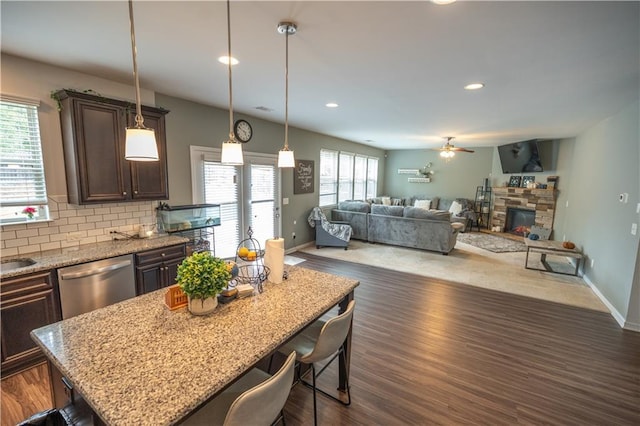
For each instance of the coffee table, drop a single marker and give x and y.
(548, 247)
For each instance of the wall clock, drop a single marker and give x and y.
(243, 131)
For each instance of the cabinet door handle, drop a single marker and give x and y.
(163, 255)
(135, 192)
(124, 193)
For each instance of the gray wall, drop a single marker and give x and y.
(457, 178)
(605, 164)
(190, 123)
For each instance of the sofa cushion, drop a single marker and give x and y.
(387, 210)
(420, 213)
(354, 206)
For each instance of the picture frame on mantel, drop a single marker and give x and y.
(303, 176)
(514, 181)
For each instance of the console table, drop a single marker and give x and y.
(554, 248)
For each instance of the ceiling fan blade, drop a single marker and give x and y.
(454, 148)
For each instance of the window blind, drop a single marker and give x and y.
(372, 177)
(22, 181)
(328, 177)
(221, 187)
(263, 202)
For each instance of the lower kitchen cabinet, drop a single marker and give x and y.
(158, 268)
(27, 302)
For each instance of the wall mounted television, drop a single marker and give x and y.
(522, 157)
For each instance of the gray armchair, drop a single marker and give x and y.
(329, 234)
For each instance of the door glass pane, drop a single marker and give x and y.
(263, 202)
(221, 187)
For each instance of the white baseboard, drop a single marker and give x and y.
(614, 312)
(296, 248)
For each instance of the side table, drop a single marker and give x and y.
(547, 247)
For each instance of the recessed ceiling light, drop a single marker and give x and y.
(441, 2)
(474, 86)
(332, 105)
(225, 60)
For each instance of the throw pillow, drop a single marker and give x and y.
(386, 201)
(455, 208)
(423, 204)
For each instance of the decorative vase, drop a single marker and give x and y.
(203, 306)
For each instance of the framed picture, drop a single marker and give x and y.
(527, 179)
(514, 181)
(303, 177)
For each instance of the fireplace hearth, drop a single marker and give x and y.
(519, 221)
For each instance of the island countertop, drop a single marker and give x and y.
(52, 259)
(137, 362)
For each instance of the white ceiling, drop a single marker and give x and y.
(397, 69)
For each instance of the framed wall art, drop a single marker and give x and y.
(526, 180)
(303, 177)
(514, 181)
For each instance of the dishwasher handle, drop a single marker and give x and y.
(96, 271)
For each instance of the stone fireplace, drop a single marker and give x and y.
(519, 221)
(539, 202)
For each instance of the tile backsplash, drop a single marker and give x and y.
(74, 225)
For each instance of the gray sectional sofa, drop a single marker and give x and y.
(397, 225)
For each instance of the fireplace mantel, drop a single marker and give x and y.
(542, 201)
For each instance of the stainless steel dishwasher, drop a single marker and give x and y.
(94, 285)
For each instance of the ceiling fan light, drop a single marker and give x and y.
(140, 144)
(286, 159)
(232, 154)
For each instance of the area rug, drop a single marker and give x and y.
(491, 242)
(470, 265)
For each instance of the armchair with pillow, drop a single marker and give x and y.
(329, 234)
(461, 210)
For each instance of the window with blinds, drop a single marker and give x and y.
(346, 176)
(23, 192)
(328, 177)
(263, 202)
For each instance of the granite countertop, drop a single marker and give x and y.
(137, 362)
(58, 258)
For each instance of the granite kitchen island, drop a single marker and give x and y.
(137, 362)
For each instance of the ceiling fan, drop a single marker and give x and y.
(448, 150)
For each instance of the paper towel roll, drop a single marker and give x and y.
(274, 259)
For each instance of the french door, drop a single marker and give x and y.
(248, 196)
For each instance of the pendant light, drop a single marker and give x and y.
(285, 156)
(140, 142)
(231, 149)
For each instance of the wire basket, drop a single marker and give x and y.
(254, 274)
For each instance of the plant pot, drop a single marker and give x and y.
(203, 306)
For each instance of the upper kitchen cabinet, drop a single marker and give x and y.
(93, 133)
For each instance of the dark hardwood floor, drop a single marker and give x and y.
(429, 352)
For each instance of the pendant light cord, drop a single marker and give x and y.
(231, 135)
(286, 92)
(139, 118)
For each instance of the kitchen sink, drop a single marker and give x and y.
(11, 264)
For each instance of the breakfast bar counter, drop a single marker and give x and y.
(137, 362)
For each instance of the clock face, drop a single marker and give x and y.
(242, 130)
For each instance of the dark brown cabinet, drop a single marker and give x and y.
(158, 268)
(27, 302)
(93, 133)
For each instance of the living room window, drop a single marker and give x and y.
(23, 192)
(328, 177)
(347, 176)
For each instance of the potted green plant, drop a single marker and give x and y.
(201, 277)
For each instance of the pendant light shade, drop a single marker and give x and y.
(141, 145)
(285, 156)
(285, 159)
(231, 149)
(232, 154)
(140, 142)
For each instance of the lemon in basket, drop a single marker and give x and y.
(243, 252)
